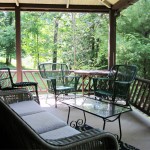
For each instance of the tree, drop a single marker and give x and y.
(7, 36)
(31, 36)
(133, 43)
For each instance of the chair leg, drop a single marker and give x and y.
(47, 97)
(75, 97)
(37, 95)
(55, 101)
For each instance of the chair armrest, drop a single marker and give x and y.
(89, 140)
(15, 95)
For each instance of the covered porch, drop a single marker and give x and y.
(135, 125)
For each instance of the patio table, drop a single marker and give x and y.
(86, 76)
(109, 112)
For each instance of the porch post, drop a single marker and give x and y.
(18, 45)
(112, 39)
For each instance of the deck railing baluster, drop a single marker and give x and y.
(140, 96)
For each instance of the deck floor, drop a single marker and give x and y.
(135, 125)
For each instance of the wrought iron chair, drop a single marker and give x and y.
(59, 80)
(6, 83)
(116, 86)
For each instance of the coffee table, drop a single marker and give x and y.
(109, 112)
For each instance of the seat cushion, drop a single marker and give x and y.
(43, 122)
(62, 132)
(26, 107)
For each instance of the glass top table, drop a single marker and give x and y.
(109, 112)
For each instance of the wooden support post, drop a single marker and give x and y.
(18, 45)
(112, 39)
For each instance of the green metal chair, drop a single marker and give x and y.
(116, 86)
(6, 83)
(59, 79)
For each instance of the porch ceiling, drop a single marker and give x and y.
(67, 5)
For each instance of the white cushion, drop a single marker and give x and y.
(59, 133)
(43, 122)
(26, 107)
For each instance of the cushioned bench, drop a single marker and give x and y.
(44, 123)
(26, 125)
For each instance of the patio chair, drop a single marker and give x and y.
(6, 83)
(116, 86)
(59, 79)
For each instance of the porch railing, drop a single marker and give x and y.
(140, 90)
(140, 95)
(32, 76)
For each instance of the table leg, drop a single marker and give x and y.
(120, 131)
(68, 115)
(78, 123)
(83, 85)
(89, 89)
(120, 127)
(104, 124)
(84, 117)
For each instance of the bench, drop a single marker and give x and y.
(26, 125)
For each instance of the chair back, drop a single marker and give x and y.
(6, 81)
(53, 70)
(116, 86)
(126, 73)
(123, 76)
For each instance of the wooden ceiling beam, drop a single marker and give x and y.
(7, 6)
(57, 8)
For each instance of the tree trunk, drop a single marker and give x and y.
(92, 43)
(9, 47)
(8, 59)
(74, 37)
(55, 40)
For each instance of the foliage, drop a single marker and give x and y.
(79, 39)
(133, 43)
(7, 36)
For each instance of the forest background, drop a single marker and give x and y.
(78, 39)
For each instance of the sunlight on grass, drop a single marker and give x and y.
(27, 62)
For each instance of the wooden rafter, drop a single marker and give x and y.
(68, 2)
(105, 2)
(17, 3)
